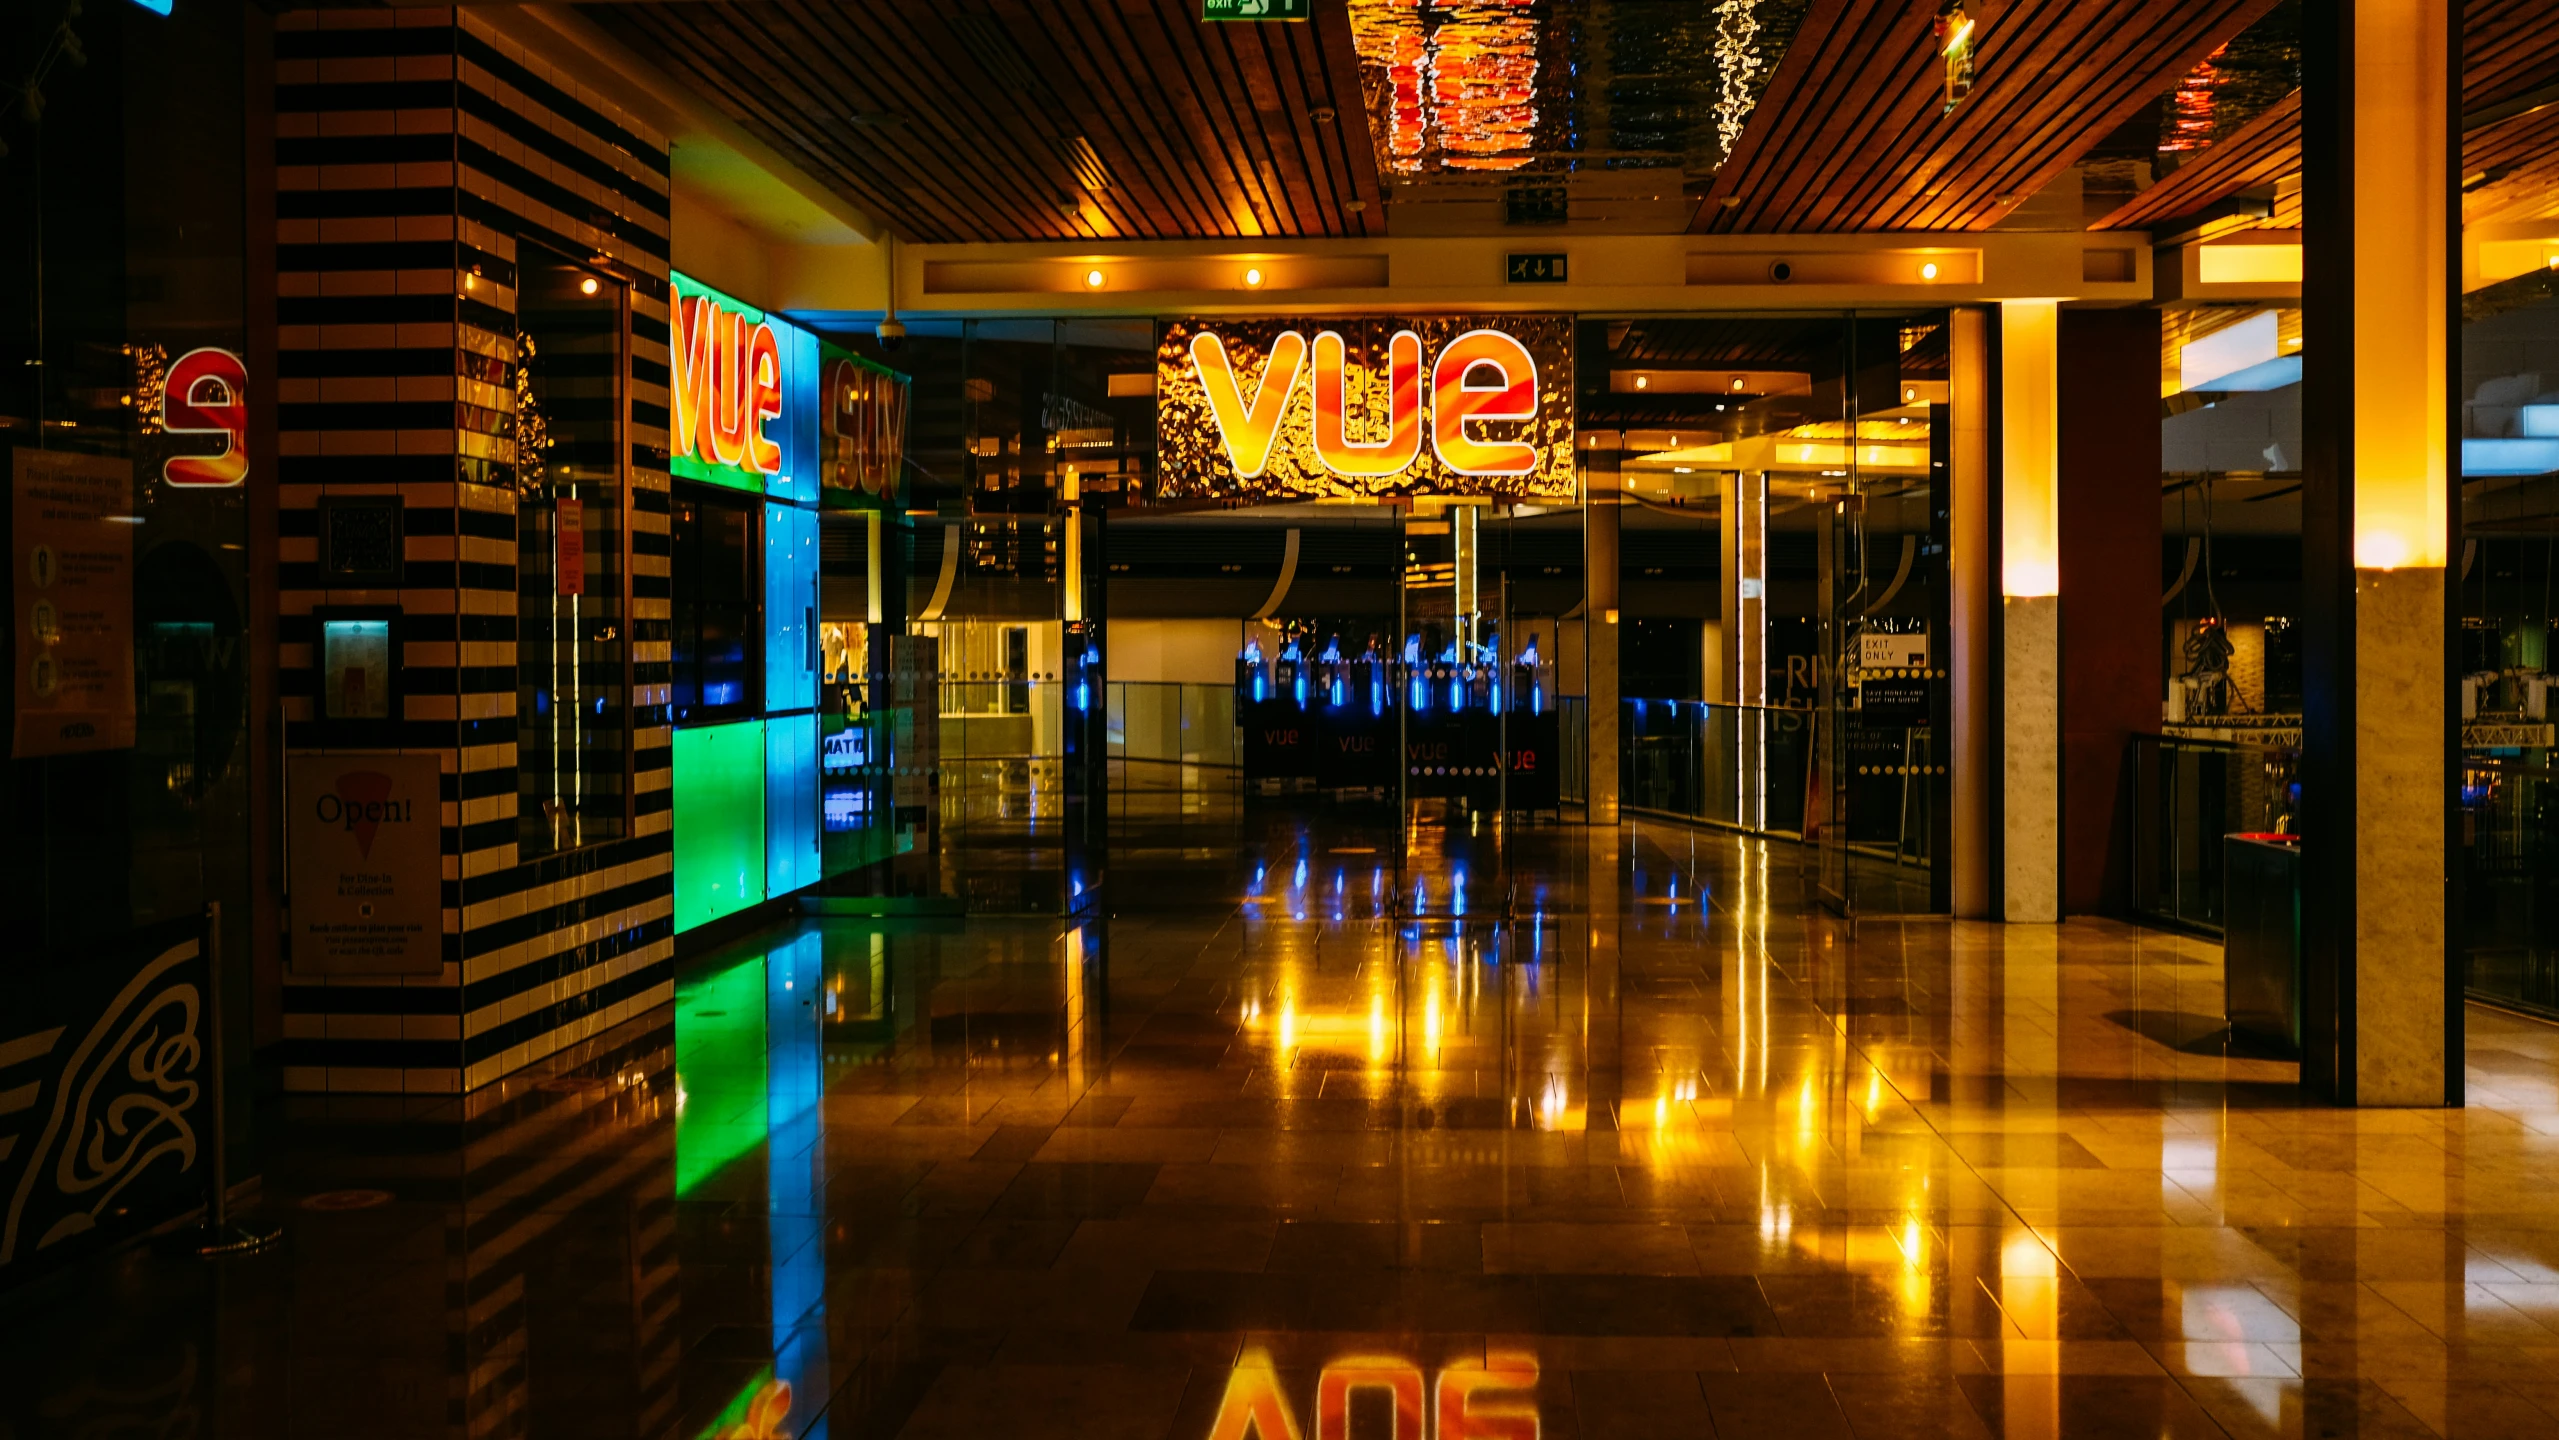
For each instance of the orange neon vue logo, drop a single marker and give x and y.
(728, 385)
(1496, 1401)
(1479, 376)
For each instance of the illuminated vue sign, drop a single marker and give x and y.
(1388, 406)
(743, 392)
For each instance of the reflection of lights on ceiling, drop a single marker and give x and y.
(1459, 80)
(1681, 470)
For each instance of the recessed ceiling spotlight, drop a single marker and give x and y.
(1908, 395)
(1253, 277)
(1092, 279)
(1928, 271)
(1321, 114)
(1643, 380)
(1737, 382)
(587, 286)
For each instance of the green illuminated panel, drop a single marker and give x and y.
(719, 821)
(720, 1109)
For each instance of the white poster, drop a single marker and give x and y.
(364, 837)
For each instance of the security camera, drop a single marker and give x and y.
(891, 333)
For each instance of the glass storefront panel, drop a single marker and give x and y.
(2508, 885)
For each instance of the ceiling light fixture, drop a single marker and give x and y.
(587, 286)
(1092, 279)
(1643, 380)
(1737, 383)
(1928, 271)
(1909, 395)
(1253, 277)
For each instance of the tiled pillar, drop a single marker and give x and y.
(2030, 612)
(2381, 1011)
(1600, 623)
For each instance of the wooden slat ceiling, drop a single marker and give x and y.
(2261, 152)
(1015, 120)
(1850, 136)
(2509, 49)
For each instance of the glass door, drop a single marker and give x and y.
(1879, 811)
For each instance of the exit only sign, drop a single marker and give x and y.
(1254, 9)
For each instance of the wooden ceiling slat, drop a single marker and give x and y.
(2264, 150)
(1849, 134)
(962, 176)
(2509, 49)
(1206, 130)
(2101, 88)
(1139, 155)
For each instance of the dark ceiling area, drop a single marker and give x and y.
(1005, 120)
(1009, 120)
(2509, 144)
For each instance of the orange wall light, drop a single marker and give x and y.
(2401, 415)
(2030, 448)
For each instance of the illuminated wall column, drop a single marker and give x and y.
(1744, 627)
(2030, 612)
(1973, 604)
(1600, 623)
(2381, 1013)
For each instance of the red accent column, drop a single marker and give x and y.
(2110, 591)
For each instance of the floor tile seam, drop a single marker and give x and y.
(1839, 1026)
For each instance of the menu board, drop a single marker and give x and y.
(71, 525)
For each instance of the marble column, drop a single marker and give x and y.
(2381, 1005)
(2030, 612)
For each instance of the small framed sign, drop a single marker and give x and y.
(360, 542)
(1539, 268)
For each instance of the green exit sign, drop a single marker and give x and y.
(1254, 9)
(1545, 268)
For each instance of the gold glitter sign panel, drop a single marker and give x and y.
(1393, 405)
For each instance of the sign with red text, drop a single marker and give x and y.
(364, 840)
(1441, 405)
(569, 537)
(71, 525)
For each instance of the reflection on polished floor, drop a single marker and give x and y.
(1627, 1143)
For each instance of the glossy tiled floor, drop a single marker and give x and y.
(1658, 1155)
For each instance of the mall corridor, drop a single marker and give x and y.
(1639, 1147)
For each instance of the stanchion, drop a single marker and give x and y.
(220, 1235)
